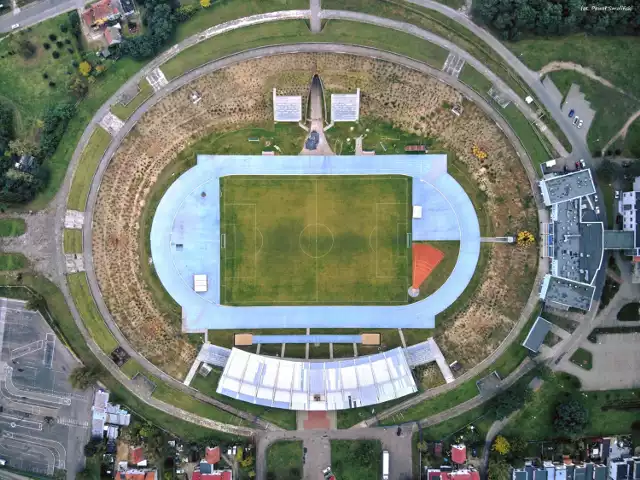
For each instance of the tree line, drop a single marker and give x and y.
(514, 18)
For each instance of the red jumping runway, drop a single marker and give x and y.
(425, 259)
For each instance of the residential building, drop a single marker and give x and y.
(113, 35)
(137, 474)
(105, 414)
(442, 473)
(459, 454)
(98, 13)
(206, 469)
(628, 207)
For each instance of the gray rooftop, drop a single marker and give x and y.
(618, 240)
(577, 241)
(567, 293)
(536, 335)
(563, 188)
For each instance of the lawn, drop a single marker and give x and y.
(284, 460)
(357, 459)
(62, 322)
(529, 136)
(631, 145)
(22, 80)
(629, 312)
(295, 31)
(88, 310)
(12, 261)
(72, 240)
(315, 239)
(582, 358)
(12, 227)
(535, 420)
(609, 56)
(131, 367)
(125, 111)
(207, 385)
(378, 136)
(612, 108)
(86, 169)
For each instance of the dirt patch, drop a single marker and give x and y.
(556, 66)
(238, 97)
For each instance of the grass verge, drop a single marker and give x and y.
(582, 358)
(12, 261)
(284, 460)
(356, 459)
(12, 227)
(72, 241)
(295, 31)
(123, 112)
(88, 310)
(86, 169)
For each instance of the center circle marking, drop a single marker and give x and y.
(316, 240)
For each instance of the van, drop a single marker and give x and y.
(385, 465)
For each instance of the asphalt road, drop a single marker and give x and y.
(37, 12)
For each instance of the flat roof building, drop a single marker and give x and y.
(565, 294)
(563, 188)
(629, 208)
(536, 335)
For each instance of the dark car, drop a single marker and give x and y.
(312, 141)
(578, 165)
(572, 113)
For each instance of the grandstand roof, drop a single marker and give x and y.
(323, 385)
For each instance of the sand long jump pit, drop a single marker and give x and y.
(297, 241)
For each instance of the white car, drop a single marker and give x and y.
(597, 210)
(580, 124)
(617, 194)
(14, 26)
(595, 197)
(582, 163)
(576, 120)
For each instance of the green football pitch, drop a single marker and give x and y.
(331, 240)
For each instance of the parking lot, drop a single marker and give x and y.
(44, 423)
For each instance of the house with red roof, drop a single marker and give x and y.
(459, 454)
(212, 455)
(136, 457)
(206, 469)
(97, 13)
(137, 474)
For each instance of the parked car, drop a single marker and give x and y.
(595, 198)
(597, 210)
(14, 26)
(619, 219)
(572, 113)
(617, 194)
(582, 163)
(576, 120)
(578, 165)
(580, 124)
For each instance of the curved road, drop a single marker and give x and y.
(187, 78)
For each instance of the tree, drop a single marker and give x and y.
(607, 170)
(422, 446)
(85, 68)
(499, 470)
(78, 86)
(185, 12)
(83, 377)
(518, 445)
(94, 446)
(501, 445)
(23, 147)
(511, 400)
(571, 417)
(6, 126)
(205, 3)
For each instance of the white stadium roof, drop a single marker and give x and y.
(324, 385)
